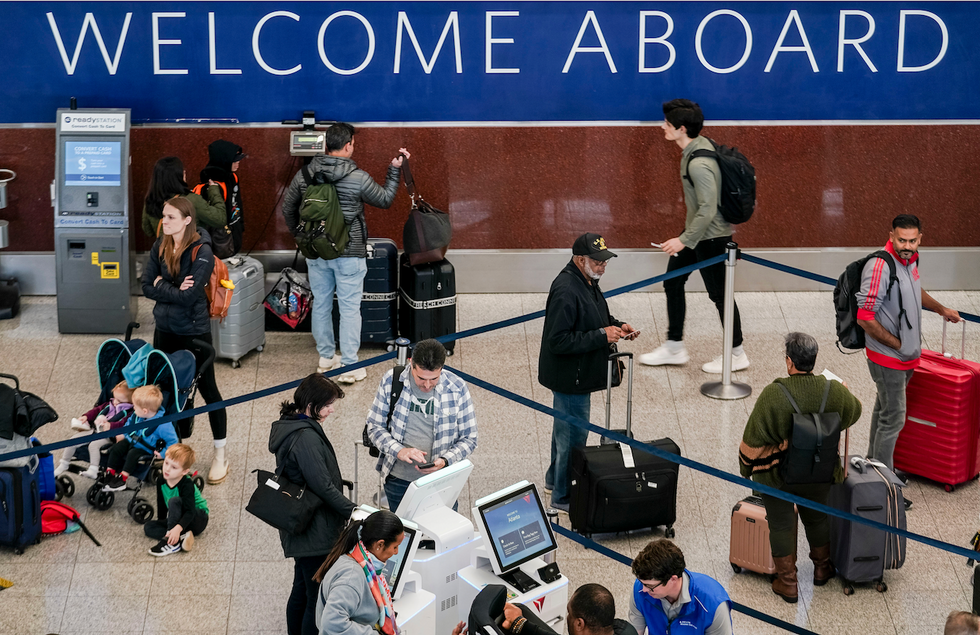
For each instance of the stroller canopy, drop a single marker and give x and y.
(174, 373)
(112, 357)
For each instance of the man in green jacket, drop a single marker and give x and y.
(764, 447)
(706, 235)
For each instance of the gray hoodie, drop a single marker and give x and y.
(355, 187)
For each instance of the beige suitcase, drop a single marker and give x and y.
(749, 547)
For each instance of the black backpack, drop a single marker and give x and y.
(850, 335)
(396, 391)
(737, 182)
(812, 455)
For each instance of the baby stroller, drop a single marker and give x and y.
(176, 376)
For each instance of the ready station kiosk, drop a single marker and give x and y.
(93, 252)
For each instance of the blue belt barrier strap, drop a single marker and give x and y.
(623, 559)
(970, 317)
(713, 471)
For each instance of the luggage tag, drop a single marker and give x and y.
(627, 456)
(273, 484)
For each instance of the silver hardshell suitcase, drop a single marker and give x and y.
(243, 330)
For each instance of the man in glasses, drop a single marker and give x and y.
(667, 598)
(574, 358)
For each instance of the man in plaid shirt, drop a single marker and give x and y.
(433, 424)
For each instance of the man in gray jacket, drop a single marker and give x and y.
(345, 274)
(892, 320)
(706, 235)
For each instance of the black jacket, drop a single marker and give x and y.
(574, 351)
(181, 312)
(311, 461)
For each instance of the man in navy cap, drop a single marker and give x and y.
(575, 347)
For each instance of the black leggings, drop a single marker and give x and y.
(301, 606)
(175, 509)
(714, 283)
(207, 386)
(122, 456)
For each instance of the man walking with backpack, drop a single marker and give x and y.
(892, 322)
(337, 262)
(767, 456)
(706, 235)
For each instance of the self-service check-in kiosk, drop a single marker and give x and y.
(95, 268)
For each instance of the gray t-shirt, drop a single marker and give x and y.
(420, 429)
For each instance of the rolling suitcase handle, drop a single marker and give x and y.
(613, 358)
(962, 342)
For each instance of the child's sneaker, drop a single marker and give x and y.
(114, 483)
(81, 426)
(61, 469)
(186, 541)
(163, 549)
(92, 472)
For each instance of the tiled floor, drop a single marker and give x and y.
(236, 580)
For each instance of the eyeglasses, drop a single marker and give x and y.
(653, 588)
(598, 263)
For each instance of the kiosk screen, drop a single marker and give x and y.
(93, 163)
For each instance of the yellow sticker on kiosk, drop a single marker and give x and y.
(95, 257)
(110, 270)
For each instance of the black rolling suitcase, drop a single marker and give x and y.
(427, 305)
(608, 495)
(379, 301)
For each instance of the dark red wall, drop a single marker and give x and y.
(538, 188)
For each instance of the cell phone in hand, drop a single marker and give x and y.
(632, 335)
(425, 466)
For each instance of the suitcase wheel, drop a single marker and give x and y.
(670, 533)
(880, 586)
(848, 587)
(259, 348)
(736, 568)
(948, 487)
(236, 364)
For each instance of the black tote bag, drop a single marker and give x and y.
(283, 504)
(427, 231)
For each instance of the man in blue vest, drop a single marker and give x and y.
(667, 598)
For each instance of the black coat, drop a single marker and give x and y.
(311, 461)
(181, 312)
(574, 351)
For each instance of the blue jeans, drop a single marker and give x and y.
(346, 277)
(395, 491)
(565, 437)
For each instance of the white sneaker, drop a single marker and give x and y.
(351, 376)
(739, 362)
(92, 472)
(663, 356)
(327, 364)
(79, 425)
(61, 469)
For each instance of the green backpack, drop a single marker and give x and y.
(323, 232)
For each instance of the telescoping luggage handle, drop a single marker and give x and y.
(613, 358)
(962, 343)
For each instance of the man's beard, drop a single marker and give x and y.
(906, 254)
(590, 273)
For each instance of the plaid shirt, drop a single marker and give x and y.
(454, 435)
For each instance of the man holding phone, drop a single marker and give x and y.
(432, 423)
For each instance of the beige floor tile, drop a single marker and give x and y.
(198, 613)
(25, 615)
(99, 579)
(113, 613)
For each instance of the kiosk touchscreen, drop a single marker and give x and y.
(436, 490)
(515, 530)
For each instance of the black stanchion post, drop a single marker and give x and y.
(976, 590)
(726, 388)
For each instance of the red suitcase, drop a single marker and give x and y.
(942, 425)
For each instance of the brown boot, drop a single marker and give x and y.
(823, 570)
(785, 583)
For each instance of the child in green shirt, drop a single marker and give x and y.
(182, 512)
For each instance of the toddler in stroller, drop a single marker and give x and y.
(134, 453)
(105, 416)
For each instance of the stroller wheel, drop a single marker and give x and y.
(142, 512)
(199, 481)
(132, 504)
(156, 475)
(67, 485)
(92, 495)
(105, 500)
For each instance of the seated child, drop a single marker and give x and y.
(105, 416)
(125, 454)
(182, 512)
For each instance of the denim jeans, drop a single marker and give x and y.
(888, 416)
(346, 277)
(565, 437)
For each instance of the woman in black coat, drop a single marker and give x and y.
(175, 279)
(307, 457)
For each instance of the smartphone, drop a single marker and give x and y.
(425, 466)
(659, 246)
(633, 335)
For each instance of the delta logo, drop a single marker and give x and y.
(539, 603)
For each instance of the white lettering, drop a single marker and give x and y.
(793, 17)
(255, 43)
(500, 40)
(157, 43)
(902, 68)
(856, 43)
(213, 50)
(602, 48)
(644, 40)
(112, 65)
(404, 24)
(370, 33)
(745, 52)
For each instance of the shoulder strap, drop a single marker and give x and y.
(826, 393)
(791, 400)
(892, 279)
(295, 437)
(698, 154)
(307, 176)
(194, 251)
(396, 392)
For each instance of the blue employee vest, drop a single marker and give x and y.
(695, 616)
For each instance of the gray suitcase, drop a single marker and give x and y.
(862, 554)
(243, 330)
